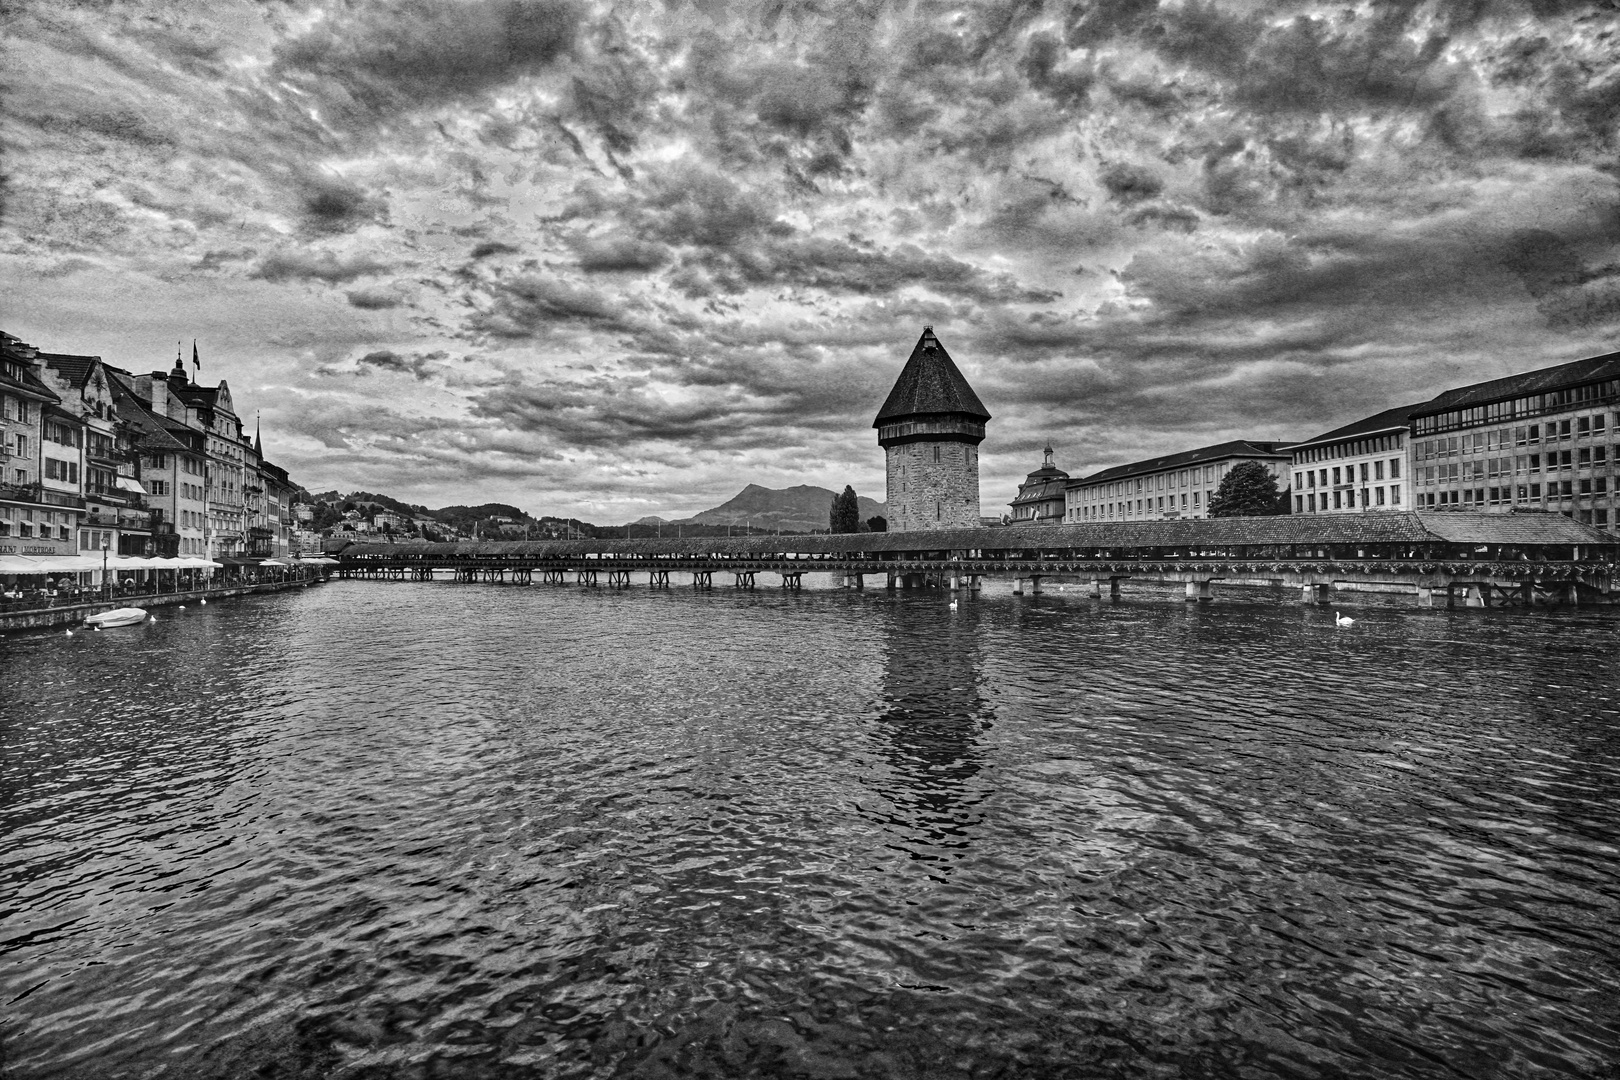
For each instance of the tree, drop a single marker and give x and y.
(845, 516)
(877, 524)
(1249, 490)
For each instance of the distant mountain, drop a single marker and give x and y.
(794, 509)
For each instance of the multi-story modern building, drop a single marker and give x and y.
(1173, 486)
(1040, 498)
(930, 428)
(1356, 468)
(1541, 440)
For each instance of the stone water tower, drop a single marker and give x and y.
(930, 429)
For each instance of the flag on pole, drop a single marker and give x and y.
(195, 363)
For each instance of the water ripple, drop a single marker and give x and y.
(402, 830)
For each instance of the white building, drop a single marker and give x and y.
(1357, 468)
(1173, 486)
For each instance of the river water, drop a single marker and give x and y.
(431, 830)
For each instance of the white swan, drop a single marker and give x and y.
(1343, 620)
(70, 633)
(953, 605)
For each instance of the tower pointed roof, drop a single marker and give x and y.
(930, 383)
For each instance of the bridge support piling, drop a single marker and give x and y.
(1314, 594)
(1035, 585)
(1425, 597)
(1018, 586)
(1473, 595)
(1095, 589)
(702, 579)
(890, 584)
(1200, 592)
(956, 583)
(975, 582)
(791, 580)
(859, 581)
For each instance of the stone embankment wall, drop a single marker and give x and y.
(74, 614)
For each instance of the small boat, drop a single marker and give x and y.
(124, 616)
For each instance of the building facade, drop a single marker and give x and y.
(930, 428)
(34, 519)
(1173, 486)
(94, 458)
(1542, 440)
(117, 517)
(1041, 497)
(1355, 469)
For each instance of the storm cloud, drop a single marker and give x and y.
(678, 248)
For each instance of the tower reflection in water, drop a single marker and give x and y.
(930, 720)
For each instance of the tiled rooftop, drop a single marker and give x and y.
(1242, 448)
(1305, 530)
(930, 383)
(1575, 373)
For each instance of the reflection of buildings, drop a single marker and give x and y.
(933, 715)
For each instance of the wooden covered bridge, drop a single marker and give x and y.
(1479, 559)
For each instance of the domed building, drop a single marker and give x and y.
(1040, 497)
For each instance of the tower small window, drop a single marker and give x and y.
(936, 453)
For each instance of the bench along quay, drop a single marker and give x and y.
(1477, 560)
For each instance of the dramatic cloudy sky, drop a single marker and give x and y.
(614, 259)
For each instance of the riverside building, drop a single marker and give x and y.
(1541, 440)
(1173, 486)
(1041, 499)
(1355, 469)
(930, 428)
(32, 521)
(94, 458)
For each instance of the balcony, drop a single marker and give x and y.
(36, 493)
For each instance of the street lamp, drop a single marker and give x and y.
(106, 587)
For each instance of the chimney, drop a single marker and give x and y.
(156, 391)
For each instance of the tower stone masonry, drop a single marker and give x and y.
(930, 428)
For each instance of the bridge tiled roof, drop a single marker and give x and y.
(930, 383)
(1410, 527)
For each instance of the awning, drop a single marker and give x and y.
(125, 483)
(47, 564)
(237, 560)
(273, 562)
